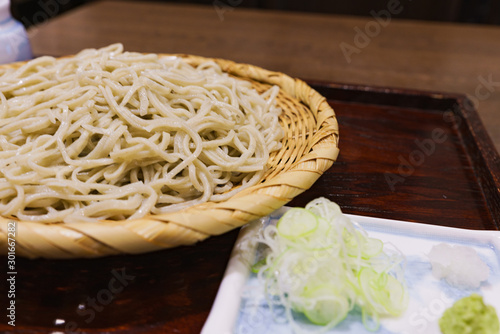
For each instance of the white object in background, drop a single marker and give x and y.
(14, 43)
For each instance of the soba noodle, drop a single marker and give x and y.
(109, 134)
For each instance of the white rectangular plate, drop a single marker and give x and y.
(240, 306)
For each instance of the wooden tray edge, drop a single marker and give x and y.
(484, 157)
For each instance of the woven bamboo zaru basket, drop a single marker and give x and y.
(310, 147)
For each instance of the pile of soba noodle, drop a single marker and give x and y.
(109, 134)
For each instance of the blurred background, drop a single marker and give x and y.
(32, 12)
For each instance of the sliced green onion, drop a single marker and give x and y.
(297, 223)
(321, 264)
(328, 305)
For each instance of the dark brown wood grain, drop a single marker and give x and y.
(412, 155)
(163, 292)
(378, 173)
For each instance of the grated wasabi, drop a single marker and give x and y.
(470, 315)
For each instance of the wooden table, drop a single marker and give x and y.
(394, 53)
(455, 183)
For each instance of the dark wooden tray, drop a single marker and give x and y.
(407, 155)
